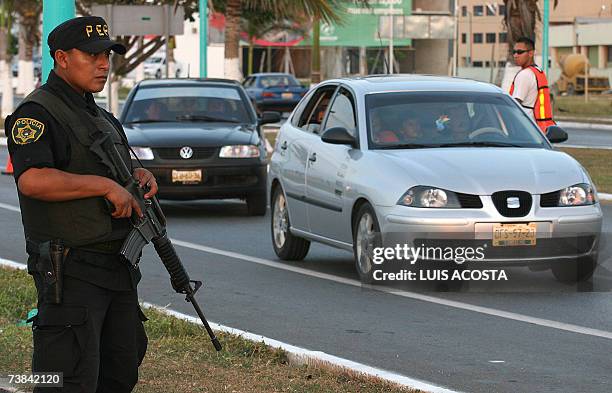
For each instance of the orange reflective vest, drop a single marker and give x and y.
(542, 109)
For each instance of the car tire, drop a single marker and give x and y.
(286, 246)
(158, 74)
(256, 205)
(574, 271)
(366, 237)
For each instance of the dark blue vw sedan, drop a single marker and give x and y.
(274, 91)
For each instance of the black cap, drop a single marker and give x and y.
(87, 33)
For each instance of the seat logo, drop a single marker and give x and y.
(186, 152)
(513, 203)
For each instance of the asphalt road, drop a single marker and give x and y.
(415, 331)
(588, 137)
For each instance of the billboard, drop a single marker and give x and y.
(361, 25)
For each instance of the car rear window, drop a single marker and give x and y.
(278, 81)
(175, 103)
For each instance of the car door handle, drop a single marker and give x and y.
(313, 157)
(284, 145)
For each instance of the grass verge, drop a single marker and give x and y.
(597, 106)
(180, 357)
(597, 163)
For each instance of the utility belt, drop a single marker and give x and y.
(50, 262)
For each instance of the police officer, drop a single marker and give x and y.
(90, 327)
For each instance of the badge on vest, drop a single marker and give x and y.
(26, 130)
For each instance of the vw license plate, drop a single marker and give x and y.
(287, 96)
(514, 235)
(187, 177)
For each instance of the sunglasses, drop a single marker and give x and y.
(519, 51)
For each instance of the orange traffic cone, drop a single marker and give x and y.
(9, 167)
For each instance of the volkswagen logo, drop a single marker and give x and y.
(513, 203)
(186, 152)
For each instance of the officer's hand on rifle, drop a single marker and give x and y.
(146, 178)
(123, 202)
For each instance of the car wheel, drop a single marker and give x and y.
(366, 237)
(256, 205)
(287, 246)
(575, 271)
(158, 74)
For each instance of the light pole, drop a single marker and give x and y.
(203, 38)
(54, 13)
(545, 37)
(391, 38)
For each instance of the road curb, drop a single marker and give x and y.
(604, 197)
(588, 126)
(296, 354)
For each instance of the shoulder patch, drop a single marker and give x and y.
(27, 130)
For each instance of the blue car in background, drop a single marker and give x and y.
(274, 91)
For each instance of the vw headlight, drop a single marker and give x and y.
(143, 153)
(577, 195)
(430, 197)
(239, 151)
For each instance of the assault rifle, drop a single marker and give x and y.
(149, 228)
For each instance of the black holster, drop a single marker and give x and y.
(50, 264)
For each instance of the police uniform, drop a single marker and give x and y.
(95, 335)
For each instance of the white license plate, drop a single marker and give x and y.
(287, 96)
(505, 235)
(187, 177)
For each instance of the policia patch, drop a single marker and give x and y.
(26, 130)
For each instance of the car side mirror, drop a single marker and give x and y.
(269, 117)
(338, 136)
(556, 134)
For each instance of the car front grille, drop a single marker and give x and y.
(469, 201)
(544, 248)
(173, 153)
(500, 200)
(550, 199)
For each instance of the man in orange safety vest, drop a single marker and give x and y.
(530, 87)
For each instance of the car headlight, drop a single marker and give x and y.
(577, 195)
(430, 197)
(143, 153)
(239, 151)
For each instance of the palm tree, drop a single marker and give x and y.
(326, 10)
(29, 12)
(5, 58)
(257, 23)
(520, 20)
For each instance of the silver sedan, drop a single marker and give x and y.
(429, 162)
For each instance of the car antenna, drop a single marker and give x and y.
(384, 57)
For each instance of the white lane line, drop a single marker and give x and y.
(410, 295)
(301, 354)
(10, 207)
(586, 147)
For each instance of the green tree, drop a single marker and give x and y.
(326, 10)
(29, 13)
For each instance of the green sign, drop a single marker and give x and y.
(361, 25)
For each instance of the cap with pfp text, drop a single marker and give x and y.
(87, 33)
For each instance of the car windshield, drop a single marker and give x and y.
(448, 119)
(187, 103)
(278, 80)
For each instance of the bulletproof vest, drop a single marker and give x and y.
(82, 221)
